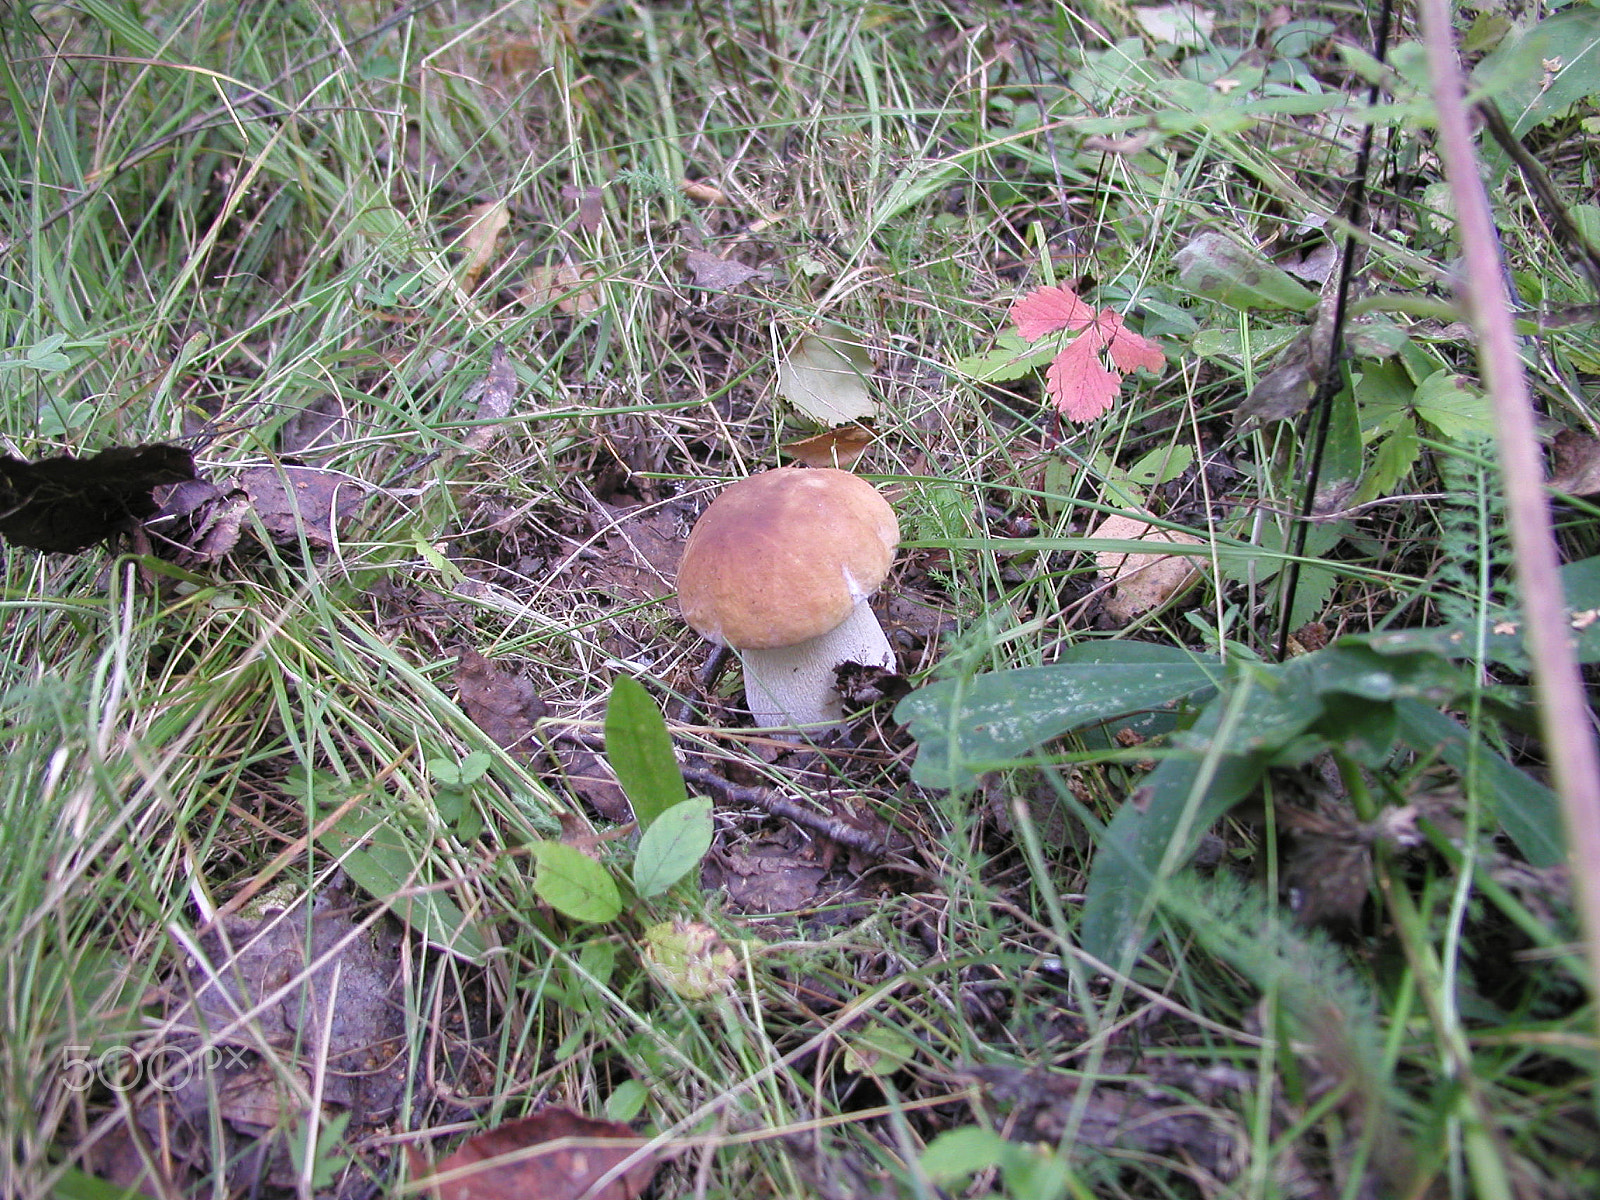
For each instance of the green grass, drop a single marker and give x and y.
(247, 226)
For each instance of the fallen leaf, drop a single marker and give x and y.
(562, 286)
(555, 1154)
(1575, 463)
(295, 503)
(485, 223)
(825, 378)
(841, 447)
(1049, 310)
(590, 209)
(1141, 582)
(503, 705)
(63, 505)
(719, 274)
(495, 393)
(699, 189)
(1179, 24)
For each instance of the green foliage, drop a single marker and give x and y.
(1358, 699)
(639, 750)
(676, 831)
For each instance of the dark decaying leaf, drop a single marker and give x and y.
(1575, 463)
(301, 503)
(553, 1155)
(503, 705)
(63, 505)
(262, 1007)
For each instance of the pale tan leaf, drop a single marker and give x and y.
(485, 223)
(568, 288)
(824, 378)
(1141, 582)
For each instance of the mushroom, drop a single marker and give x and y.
(779, 568)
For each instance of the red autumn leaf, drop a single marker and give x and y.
(553, 1155)
(1049, 310)
(1078, 383)
(1130, 351)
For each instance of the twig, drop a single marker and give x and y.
(821, 824)
(1563, 707)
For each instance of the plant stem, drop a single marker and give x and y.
(1563, 708)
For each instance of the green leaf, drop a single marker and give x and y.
(672, 846)
(825, 378)
(1217, 267)
(639, 749)
(573, 884)
(1266, 717)
(1231, 344)
(1528, 811)
(1547, 70)
(384, 863)
(1011, 358)
(958, 1154)
(967, 726)
(1156, 829)
(1397, 454)
(1457, 411)
(627, 1100)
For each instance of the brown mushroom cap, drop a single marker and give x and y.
(785, 556)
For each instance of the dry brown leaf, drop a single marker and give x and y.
(569, 289)
(295, 503)
(841, 447)
(553, 1155)
(1575, 463)
(485, 223)
(589, 207)
(719, 274)
(699, 189)
(503, 705)
(495, 393)
(1141, 582)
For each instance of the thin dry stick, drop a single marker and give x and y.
(1563, 708)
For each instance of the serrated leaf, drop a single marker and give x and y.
(573, 884)
(639, 749)
(1459, 412)
(825, 378)
(964, 727)
(1011, 358)
(672, 847)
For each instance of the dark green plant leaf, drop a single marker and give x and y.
(672, 847)
(573, 884)
(639, 750)
(1528, 811)
(1156, 829)
(1547, 70)
(1269, 716)
(967, 726)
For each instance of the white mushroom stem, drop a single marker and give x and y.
(794, 685)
